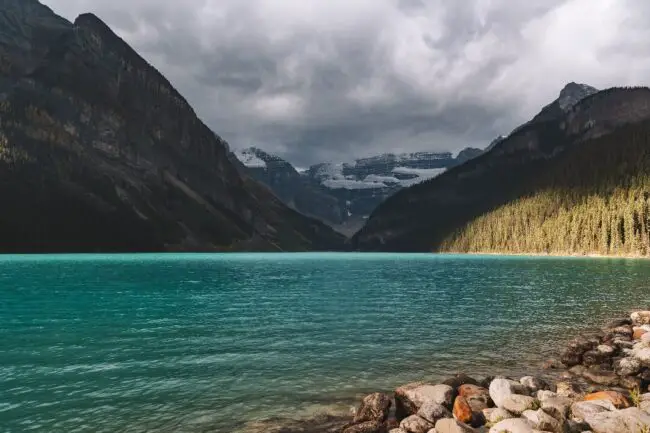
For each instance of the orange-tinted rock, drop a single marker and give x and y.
(462, 410)
(638, 333)
(469, 391)
(617, 399)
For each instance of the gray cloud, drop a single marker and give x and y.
(336, 79)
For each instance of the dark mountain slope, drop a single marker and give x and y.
(423, 217)
(98, 152)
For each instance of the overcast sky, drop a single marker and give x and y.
(316, 80)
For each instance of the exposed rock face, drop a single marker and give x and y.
(98, 152)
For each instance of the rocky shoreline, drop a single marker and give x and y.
(601, 384)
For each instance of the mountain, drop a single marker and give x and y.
(99, 152)
(535, 189)
(343, 195)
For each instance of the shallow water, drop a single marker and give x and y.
(201, 343)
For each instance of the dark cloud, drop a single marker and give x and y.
(335, 79)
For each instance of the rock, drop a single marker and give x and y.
(543, 421)
(582, 409)
(644, 405)
(601, 377)
(642, 353)
(410, 398)
(567, 389)
(630, 382)
(398, 430)
(622, 343)
(416, 424)
(374, 407)
(517, 404)
(533, 383)
(513, 425)
(496, 414)
(460, 379)
(557, 407)
(462, 410)
(645, 339)
(486, 381)
(606, 349)
(640, 318)
(628, 367)
(571, 426)
(366, 427)
(544, 394)
(572, 353)
(477, 397)
(632, 420)
(638, 333)
(449, 425)
(499, 390)
(432, 412)
(625, 330)
(577, 370)
(618, 400)
(595, 358)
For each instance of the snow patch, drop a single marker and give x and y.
(422, 174)
(250, 159)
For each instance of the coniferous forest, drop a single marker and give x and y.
(593, 199)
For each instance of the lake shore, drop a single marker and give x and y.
(599, 382)
(553, 255)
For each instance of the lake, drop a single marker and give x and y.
(224, 343)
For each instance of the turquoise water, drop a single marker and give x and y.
(199, 343)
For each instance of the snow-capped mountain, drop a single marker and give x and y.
(344, 194)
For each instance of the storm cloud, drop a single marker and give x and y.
(316, 80)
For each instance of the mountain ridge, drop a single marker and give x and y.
(99, 152)
(422, 217)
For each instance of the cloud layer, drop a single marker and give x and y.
(318, 80)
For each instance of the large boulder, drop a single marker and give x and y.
(448, 425)
(416, 424)
(512, 425)
(642, 353)
(631, 420)
(616, 398)
(433, 412)
(374, 407)
(640, 318)
(518, 404)
(581, 410)
(410, 398)
(541, 420)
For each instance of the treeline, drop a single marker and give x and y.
(592, 199)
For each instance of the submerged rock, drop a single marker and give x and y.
(572, 354)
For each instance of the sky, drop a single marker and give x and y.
(331, 80)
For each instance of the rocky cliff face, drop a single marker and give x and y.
(98, 152)
(421, 217)
(345, 194)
